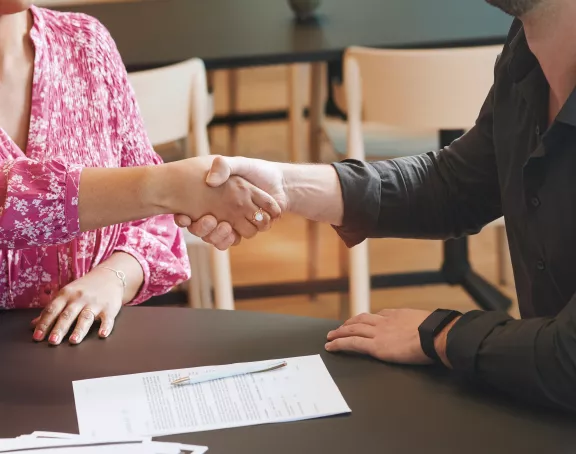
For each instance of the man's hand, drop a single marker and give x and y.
(391, 335)
(265, 175)
(234, 200)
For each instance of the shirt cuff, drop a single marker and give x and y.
(72, 193)
(360, 184)
(466, 337)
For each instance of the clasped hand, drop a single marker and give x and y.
(236, 199)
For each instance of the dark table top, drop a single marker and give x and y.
(394, 409)
(237, 33)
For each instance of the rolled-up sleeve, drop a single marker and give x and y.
(436, 195)
(532, 359)
(38, 203)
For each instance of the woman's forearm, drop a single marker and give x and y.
(127, 264)
(113, 196)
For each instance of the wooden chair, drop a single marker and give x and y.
(396, 102)
(175, 105)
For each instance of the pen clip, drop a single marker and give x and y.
(271, 368)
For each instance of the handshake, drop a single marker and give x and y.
(237, 198)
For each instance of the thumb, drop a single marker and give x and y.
(219, 172)
(223, 167)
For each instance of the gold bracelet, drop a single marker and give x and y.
(119, 274)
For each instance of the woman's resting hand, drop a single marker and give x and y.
(95, 296)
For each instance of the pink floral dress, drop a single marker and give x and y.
(83, 115)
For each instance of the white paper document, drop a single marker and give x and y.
(58, 443)
(149, 405)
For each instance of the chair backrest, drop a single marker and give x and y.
(173, 102)
(433, 89)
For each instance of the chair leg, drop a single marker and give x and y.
(344, 311)
(296, 77)
(205, 278)
(232, 109)
(501, 254)
(195, 282)
(223, 291)
(315, 136)
(359, 279)
(210, 75)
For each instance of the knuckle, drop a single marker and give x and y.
(87, 314)
(79, 293)
(224, 230)
(207, 225)
(239, 183)
(269, 205)
(67, 291)
(66, 314)
(42, 326)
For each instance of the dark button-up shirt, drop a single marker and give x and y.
(510, 163)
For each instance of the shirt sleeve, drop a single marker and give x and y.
(157, 243)
(38, 202)
(437, 195)
(532, 359)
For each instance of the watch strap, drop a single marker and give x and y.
(431, 327)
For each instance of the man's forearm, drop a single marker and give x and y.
(314, 192)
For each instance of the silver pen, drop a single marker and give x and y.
(230, 372)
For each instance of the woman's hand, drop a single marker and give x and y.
(95, 296)
(180, 187)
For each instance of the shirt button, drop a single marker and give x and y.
(537, 130)
(535, 201)
(540, 265)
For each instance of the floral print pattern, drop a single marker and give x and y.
(84, 114)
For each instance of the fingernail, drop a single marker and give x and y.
(327, 346)
(103, 333)
(54, 338)
(74, 338)
(38, 335)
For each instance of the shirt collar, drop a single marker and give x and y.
(522, 60)
(568, 112)
(525, 70)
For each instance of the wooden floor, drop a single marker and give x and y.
(280, 255)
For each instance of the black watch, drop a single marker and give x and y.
(431, 327)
